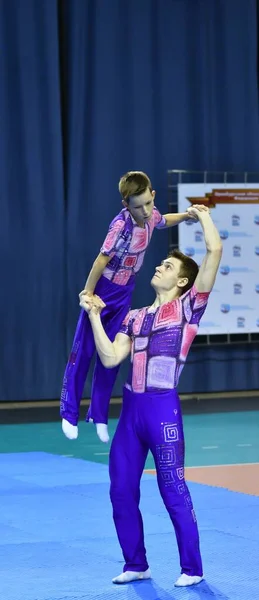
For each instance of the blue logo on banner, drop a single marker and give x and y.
(224, 270)
(189, 222)
(236, 250)
(257, 250)
(238, 288)
(198, 236)
(225, 308)
(256, 219)
(257, 323)
(189, 251)
(241, 321)
(224, 234)
(235, 220)
(257, 288)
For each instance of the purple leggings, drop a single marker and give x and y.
(151, 421)
(117, 299)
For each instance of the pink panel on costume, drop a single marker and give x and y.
(189, 333)
(201, 299)
(139, 240)
(170, 313)
(151, 226)
(111, 237)
(161, 222)
(122, 277)
(139, 261)
(138, 321)
(129, 261)
(139, 372)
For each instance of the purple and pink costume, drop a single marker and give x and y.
(126, 244)
(151, 419)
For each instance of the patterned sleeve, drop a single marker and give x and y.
(194, 305)
(160, 222)
(114, 233)
(126, 326)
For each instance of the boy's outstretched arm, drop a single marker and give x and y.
(173, 219)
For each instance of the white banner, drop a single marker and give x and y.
(234, 302)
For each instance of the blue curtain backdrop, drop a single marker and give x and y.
(90, 89)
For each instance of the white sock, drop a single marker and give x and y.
(129, 576)
(102, 432)
(70, 431)
(185, 580)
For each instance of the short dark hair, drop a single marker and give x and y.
(189, 268)
(134, 183)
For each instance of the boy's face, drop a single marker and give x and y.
(141, 207)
